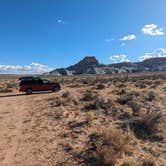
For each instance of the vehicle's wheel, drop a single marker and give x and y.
(29, 91)
(55, 89)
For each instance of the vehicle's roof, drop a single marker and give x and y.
(30, 78)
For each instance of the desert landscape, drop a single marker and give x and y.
(82, 83)
(94, 120)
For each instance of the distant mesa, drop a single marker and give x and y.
(90, 65)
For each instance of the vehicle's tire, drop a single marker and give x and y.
(55, 89)
(29, 91)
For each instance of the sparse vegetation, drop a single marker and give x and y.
(148, 125)
(88, 96)
(104, 120)
(111, 145)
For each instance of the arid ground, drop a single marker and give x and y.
(116, 120)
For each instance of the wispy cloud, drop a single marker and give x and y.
(33, 68)
(119, 58)
(109, 40)
(123, 44)
(128, 37)
(160, 52)
(152, 30)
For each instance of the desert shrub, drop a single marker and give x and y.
(126, 97)
(88, 107)
(55, 102)
(143, 162)
(148, 162)
(118, 114)
(140, 85)
(121, 85)
(148, 96)
(123, 99)
(90, 116)
(121, 92)
(10, 85)
(66, 94)
(63, 101)
(135, 106)
(151, 96)
(75, 124)
(5, 90)
(88, 96)
(155, 84)
(109, 146)
(129, 163)
(55, 114)
(148, 125)
(100, 86)
(98, 103)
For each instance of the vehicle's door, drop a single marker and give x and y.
(38, 85)
(45, 85)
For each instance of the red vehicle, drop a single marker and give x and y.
(33, 84)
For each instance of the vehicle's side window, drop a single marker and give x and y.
(39, 81)
(45, 81)
(31, 82)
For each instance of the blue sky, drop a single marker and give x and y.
(58, 33)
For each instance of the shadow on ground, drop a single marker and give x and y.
(22, 94)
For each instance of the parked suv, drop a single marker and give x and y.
(32, 84)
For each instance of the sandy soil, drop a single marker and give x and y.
(37, 130)
(24, 135)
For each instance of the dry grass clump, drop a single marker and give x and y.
(66, 94)
(93, 101)
(143, 96)
(111, 146)
(135, 99)
(150, 96)
(88, 96)
(5, 90)
(140, 84)
(55, 114)
(129, 163)
(100, 86)
(98, 103)
(104, 105)
(135, 106)
(107, 147)
(65, 99)
(6, 87)
(149, 126)
(131, 99)
(149, 161)
(126, 97)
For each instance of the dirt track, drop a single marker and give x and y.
(23, 131)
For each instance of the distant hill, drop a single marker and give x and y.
(90, 65)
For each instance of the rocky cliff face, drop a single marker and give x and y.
(84, 65)
(90, 65)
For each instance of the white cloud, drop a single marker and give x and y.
(160, 52)
(60, 21)
(128, 37)
(33, 68)
(119, 58)
(152, 30)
